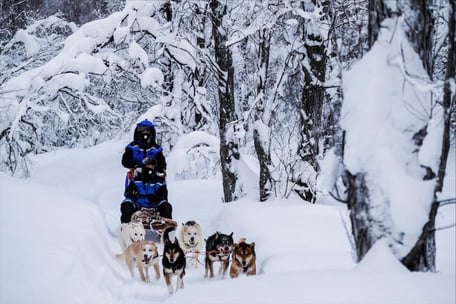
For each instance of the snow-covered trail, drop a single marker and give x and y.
(59, 238)
(98, 178)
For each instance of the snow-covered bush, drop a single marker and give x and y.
(107, 73)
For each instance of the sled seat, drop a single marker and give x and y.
(153, 223)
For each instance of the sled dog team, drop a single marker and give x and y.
(220, 248)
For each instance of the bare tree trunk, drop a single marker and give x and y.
(377, 13)
(419, 29)
(448, 96)
(358, 191)
(358, 204)
(313, 97)
(228, 147)
(422, 255)
(420, 21)
(262, 117)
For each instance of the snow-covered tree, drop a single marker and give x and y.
(109, 72)
(406, 103)
(30, 48)
(227, 111)
(422, 255)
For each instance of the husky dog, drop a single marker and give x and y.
(243, 259)
(143, 254)
(130, 233)
(218, 249)
(173, 259)
(191, 240)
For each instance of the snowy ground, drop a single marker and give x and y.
(58, 243)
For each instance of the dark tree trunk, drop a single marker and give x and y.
(228, 147)
(358, 204)
(358, 201)
(419, 30)
(262, 148)
(264, 159)
(448, 97)
(377, 13)
(313, 97)
(167, 11)
(420, 21)
(422, 255)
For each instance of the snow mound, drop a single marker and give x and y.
(380, 258)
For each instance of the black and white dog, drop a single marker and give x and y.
(173, 260)
(218, 249)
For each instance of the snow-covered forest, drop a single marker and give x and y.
(347, 103)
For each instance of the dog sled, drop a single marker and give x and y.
(153, 223)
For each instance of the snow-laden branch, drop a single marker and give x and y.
(266, 19)
(195, 153)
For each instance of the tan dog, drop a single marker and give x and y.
(130, 233)
(143, 254)
(243, 259)
(191, 241)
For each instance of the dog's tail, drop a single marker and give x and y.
(242, 240)
(169, 234)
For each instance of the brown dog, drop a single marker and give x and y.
(144, 254)
(243, 259)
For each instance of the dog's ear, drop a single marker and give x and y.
(217, 235)
(252, 245)
(231, 234)
(176, 241)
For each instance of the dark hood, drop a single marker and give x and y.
(144, 124)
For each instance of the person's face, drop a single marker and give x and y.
(149, 167)
(145, 134)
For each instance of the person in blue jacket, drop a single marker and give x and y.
(147, 189)
(142, 146)
(145, 185)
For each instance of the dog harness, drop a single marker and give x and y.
(223, 256)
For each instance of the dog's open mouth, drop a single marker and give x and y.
(147, 259)
(225, 251)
